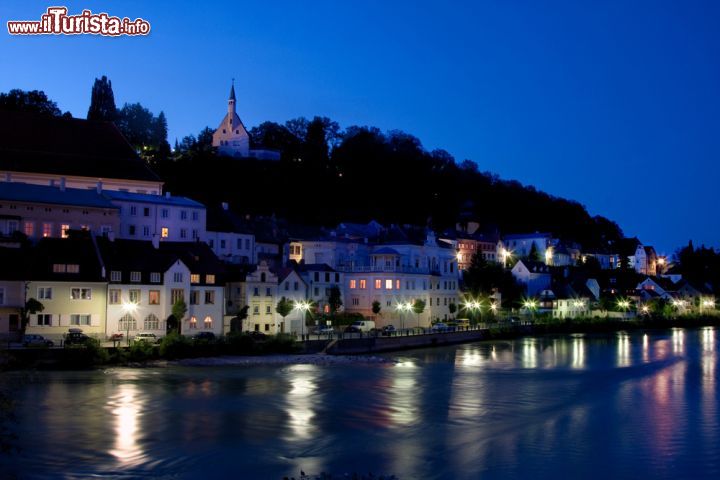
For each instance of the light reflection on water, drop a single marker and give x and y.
(586, 406)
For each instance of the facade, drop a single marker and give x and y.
(159, 217)
(534, 276)
(259, 292)
(230, 237)
(320, 279)
(12, 291)
(294, 289)
(40, 211)
(521, 245)
(68, 277)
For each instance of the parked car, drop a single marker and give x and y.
(439, 327)
(325, 330)
(205, 336)
(352, 329)
(36, 341)
(75, 336)
(364, 325)
(147, 337)
(388, 330)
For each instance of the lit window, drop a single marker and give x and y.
(81, 293)
(151, 322)
(176, 295)
(154, 297)
(193, 323)
(47, 229)
(210, 279)
(378, 284)
(207, 323)
(72, 268)
(29, 229)
(194, 278)
(353, 284)
(165, 232)
(59, 268)
(388, 284)
(363, 284)
(397, 284)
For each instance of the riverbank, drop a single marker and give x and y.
(242, 350)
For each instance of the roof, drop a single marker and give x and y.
(198, 257)
(68, 146)
(15, 263)
(520, 236)
(154, 199)
(314, 267)
(232, 92)
(79, 249)
(25, 192)
(534, 266)
(134, 256)
(385, 251)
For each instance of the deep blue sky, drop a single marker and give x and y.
(614, 103)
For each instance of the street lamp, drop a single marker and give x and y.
(129, 308)
(505, 254)
(303, 307)
(403, 307)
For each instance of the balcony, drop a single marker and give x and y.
(383, 269)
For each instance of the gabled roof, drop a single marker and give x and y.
(198, 257)
(135, 256)
(534, 266)
(68, 146)
(25, 192)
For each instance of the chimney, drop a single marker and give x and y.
(225, 205)
(167, 194)
(99, 187)
(156, 241)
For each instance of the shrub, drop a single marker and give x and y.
(174, 345)
(141, 352)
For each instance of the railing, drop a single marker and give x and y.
(383, 269)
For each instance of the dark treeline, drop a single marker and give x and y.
(327, 175)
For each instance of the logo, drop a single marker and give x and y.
(56, 21)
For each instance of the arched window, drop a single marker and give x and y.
(193, 322)
(207, 323)
(127, 322)
(151, 322)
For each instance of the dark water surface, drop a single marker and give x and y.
(616, 406)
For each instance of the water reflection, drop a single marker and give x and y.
(645, 348)
(578, 352)
(299, 401)
(529, 353)
(623, 350)
(678, 340)
(126, 406)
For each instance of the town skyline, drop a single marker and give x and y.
(512, 148)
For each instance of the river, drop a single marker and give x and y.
(577, 406)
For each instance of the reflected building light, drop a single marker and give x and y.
(126, 407)
(529, 354)
(678, 340)
(300, 401)
(578, 353)
(623, 350)
(645, 348)
(708, 339)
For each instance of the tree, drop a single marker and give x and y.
(376, 307)
(452, 308)
(534, 255)
(418, 307)
(102, 101)
(145, 132)
(179, 310)
(236, 322)
(34, 101)
(31, 307)
(334, 299)
(284, 307)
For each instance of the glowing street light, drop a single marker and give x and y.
(129, 308)
(303, 307)
(505, 254)
(548, 256)
(645, 310)
(708, 303)
(623, 304)
(403, 307)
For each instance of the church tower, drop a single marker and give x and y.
(231, 137)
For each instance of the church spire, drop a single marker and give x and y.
(231, 102)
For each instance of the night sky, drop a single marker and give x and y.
(614, 104)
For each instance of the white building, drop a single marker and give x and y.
(229, 237)
(521, 245)
(145, 283)
(159, 217)
(534, 276)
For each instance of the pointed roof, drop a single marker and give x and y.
(232, 91)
